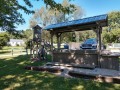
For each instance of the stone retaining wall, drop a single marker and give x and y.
(86, 57)
(76, 56)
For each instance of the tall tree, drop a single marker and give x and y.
(111, 34)
(28, 34)
(3, 39)
(46, 16)
(114, 20)
(10, 15)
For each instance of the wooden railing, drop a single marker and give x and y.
(12, 52)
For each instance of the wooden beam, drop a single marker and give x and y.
(58, 35)
(99, 38)
(52, 34)
(99, 31)
(75, 28)
(60, 39)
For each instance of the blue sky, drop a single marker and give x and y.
(90, 7)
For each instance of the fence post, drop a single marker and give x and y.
(12, 51)
(21, 51)
(26, 51)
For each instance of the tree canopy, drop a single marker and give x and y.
(3, 39)
(110, 34)
(10, 15)
(114, 20)
(45, 16)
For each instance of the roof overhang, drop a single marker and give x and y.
(80, 24)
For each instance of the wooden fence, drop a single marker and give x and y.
(12, 52)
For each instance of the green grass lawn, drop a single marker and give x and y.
(13, 76)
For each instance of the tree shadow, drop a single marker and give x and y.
(14, 76)
(5, 52)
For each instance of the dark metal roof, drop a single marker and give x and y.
(37, 27)
(91, 21)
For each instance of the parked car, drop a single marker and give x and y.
(66, 46)
(90, 44)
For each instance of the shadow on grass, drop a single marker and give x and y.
(14, 76)
(4, 52)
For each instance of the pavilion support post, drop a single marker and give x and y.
(98, 47)
(51, 48)
(52, 34)
(99, 31)
(58, 40)
(99, 38)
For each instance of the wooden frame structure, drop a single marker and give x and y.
(37, 50)
(92, 23)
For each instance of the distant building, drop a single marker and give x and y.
(15, 42)
(114, 47)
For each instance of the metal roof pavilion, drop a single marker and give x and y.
(92, 23)
(80, 24)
